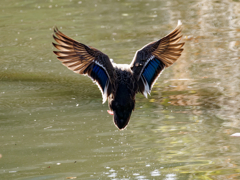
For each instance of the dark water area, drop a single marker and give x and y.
(53, 124)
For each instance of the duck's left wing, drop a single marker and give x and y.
(86, 60)
(149, 62)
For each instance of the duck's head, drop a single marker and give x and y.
(121, 106)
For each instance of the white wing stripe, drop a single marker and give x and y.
(149, 59)
(146, 86)
(103, 68)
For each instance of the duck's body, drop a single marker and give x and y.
(119, 83)
(122, 102)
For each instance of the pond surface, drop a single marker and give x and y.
(53, 124)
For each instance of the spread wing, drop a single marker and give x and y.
(85, 60)
(150, 61)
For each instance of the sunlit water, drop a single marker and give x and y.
(52, 122)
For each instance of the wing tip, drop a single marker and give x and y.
(55, 29)
(179, 23)
(55, 45)
(56, 52)
(178, 28)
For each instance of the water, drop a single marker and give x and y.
(53, 125)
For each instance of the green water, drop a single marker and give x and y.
(53, 124)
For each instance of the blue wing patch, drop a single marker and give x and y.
(150, 70)
(99, 75)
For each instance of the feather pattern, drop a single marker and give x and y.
(150, 61)
(85, 60)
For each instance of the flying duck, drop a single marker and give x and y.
(119, 83)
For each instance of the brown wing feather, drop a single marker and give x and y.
(77, 56)
(69, 56)
(81, 59)
(167, 50)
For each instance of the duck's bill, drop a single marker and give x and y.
(110, 112)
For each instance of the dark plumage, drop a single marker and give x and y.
(119, 83)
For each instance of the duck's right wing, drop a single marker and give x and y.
(85, 60)
(150, 61)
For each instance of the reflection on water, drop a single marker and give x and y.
(53, 125)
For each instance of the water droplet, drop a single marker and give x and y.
(155, 173)
(136, 174)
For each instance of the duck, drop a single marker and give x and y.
(119, 83)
